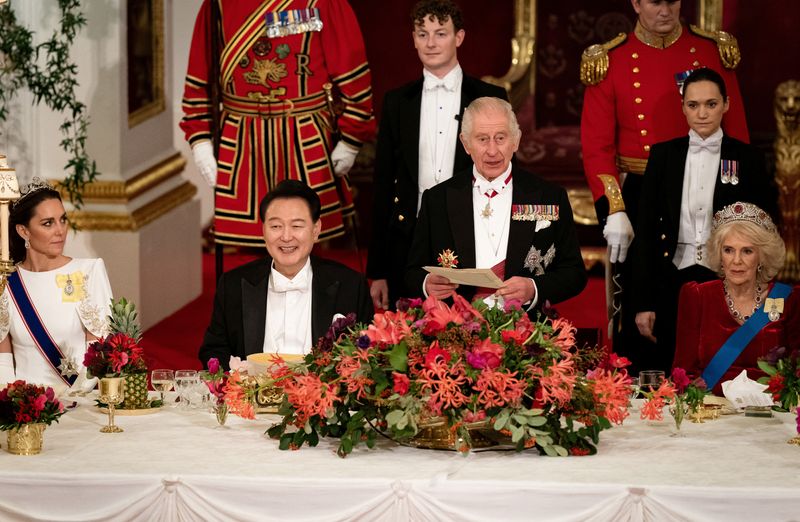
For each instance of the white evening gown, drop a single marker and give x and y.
(66, 315)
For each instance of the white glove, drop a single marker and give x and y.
(203, 153)
(343, 157)
(6, 369)
(619, 234)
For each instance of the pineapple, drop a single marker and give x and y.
(124, 320)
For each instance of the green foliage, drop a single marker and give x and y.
(124, 319)
(51, 76)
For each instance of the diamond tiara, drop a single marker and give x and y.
(32, 188)
(741, 211)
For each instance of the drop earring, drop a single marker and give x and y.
(27, 243)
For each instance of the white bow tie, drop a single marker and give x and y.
(282, 284)
(431, 84)
(712, 145)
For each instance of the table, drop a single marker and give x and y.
(177, 465)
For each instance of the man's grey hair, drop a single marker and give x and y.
(490, 104)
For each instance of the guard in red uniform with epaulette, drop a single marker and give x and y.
(632, 100)
(279, 63)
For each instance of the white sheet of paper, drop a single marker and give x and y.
(483, 277)
(743, 392)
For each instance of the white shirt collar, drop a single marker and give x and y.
(450, 81)
(483, 184)
(300, 282)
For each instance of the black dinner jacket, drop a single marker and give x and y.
(446, 222)
(656, 237)
(396, 177)
(240, 306)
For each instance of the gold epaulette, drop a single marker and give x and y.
(594, 61)
(727, 45)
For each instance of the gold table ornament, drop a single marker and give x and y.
(27, 439)
(112, 392)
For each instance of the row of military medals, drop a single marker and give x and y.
(292, 21)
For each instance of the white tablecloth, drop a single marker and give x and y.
(175, 465)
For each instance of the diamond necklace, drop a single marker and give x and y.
(734, 312)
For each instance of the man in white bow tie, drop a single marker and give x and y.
(686, 181)
(497, 217)
(286, 301)
(418, 144)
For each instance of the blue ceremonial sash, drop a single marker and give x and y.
(35, 326)
(739, 339)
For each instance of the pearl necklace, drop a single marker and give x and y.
(734, 312)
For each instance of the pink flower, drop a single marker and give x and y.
(39, 403)
(213, 365)
(680, 379)
(401, 383)
(118, 360)
(486, 354)
(388, 327)
(477, 416)
(615, 361)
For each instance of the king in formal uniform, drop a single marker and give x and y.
(632, 101)
(279, 62)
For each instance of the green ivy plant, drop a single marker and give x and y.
(51, 76)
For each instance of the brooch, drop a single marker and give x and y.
(774, 308)
(447, 259)
(536, 262)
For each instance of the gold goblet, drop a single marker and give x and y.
(112, 392)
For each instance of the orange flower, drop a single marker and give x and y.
(565, 333)
(556, 381)
(611, 392)
(499, 388)
(444, 385)
(388, 327)
(238, 397)
(309, 396)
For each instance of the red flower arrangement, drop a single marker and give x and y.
(683, 394)
(460, 364)
(783, 376)
(114, 356)
(22, 403)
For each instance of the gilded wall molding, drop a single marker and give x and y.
(523, 47)
(125, 222)
(709, 15)
(125, 191)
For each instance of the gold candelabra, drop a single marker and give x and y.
(9, 192)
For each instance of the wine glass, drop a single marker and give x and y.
(634, 384)
(162, 381)
(650, 380)
(184, 381)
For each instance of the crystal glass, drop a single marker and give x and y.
(650, 380)
(162, 381)
(634, 384)
(184, 382)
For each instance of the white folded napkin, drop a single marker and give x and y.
(743, 392)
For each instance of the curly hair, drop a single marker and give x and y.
(440, 10)
(770, 246)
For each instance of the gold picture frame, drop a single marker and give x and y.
(145, 47)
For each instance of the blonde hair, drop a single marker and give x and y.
(771, 248)
(489, 104)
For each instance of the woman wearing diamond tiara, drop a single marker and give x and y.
(53, 305)
(686, 180)
(747, 252)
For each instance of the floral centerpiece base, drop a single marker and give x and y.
(27, 439)
(437, 375)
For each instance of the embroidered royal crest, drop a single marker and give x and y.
(447, 259)
(73, 286)
(534, 212)
(536, 262)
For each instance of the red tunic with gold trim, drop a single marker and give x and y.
(275, 119)
(639, 104)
